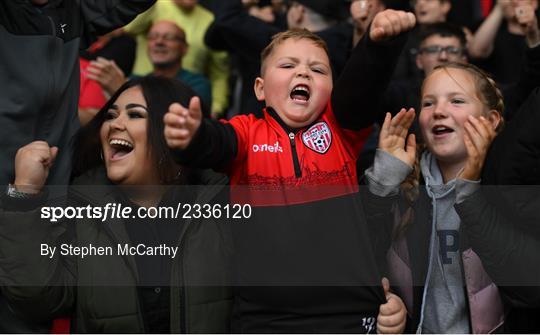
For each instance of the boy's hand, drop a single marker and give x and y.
(182, 123)
(392, 315)
(32, 165)
(394, 133)
(479, 134)
(390, 23)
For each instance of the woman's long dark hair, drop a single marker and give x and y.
(159, 93)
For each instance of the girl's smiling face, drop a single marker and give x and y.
(449, 97)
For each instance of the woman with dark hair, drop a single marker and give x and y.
(121, 159)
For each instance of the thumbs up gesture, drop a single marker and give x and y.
(390, 23)
(182, 123)
(392, 315)
(32, 165)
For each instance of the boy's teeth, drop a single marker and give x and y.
(300, 93)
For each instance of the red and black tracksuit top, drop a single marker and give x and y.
(305, 260)
(283, 166)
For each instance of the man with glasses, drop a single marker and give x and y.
(427, 12)
(439, 43)
(195, 20)
(443, 43)
(166, 47)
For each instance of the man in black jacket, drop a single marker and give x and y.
(39, 81)
(502, 221)
(39, 70)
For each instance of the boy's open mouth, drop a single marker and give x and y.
(120, 148)
(440, 130)
(300, 93)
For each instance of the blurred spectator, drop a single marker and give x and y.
(166, 48)
(265, 13)
(468, 13)
(91, 97)
(362, 13)
(194, 19)
(504, 36)
(427, 12)
(441, 43)
(115, 46)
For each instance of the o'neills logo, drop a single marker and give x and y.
(267, 148)
(318, 137)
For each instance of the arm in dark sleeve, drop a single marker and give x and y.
(103, 16)
(515, 95)
(380, 218)
(509, 255)
(237, 31)
(514, 155)
(357, 92)
(37, 289)
(214, 146)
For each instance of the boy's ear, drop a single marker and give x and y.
(446, 5)
(494, 118)
(259, 89)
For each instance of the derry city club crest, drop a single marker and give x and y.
(318, 137)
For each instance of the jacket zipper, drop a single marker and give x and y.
(297, 171)
(182, 289)
(111, 234)
(45, 120)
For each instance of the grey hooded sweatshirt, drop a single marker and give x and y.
(444, 303)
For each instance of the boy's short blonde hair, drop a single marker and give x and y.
(296, 34)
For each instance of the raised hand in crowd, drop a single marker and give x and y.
(109, 76)
(393, 137)
(182, 123)
(32, 165)
(390, 23)
(526, 17)
(392, 315)
(362, 13)
(521, 18)
(479, 133)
